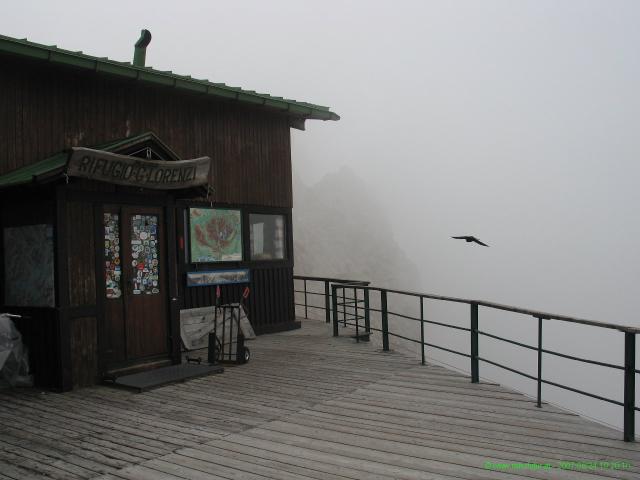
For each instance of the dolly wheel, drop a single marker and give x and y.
(247, 354)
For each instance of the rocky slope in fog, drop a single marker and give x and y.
(341, 230)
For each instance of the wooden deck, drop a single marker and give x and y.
(306, 406)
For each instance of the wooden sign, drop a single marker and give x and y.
(218, 277)
(137, 172)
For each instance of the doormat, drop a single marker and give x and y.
(158, 377)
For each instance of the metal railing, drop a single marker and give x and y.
(347, 302)
(326, 293)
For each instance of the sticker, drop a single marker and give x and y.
(144, 244)
(111, 256)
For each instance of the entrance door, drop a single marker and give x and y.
(135, 287)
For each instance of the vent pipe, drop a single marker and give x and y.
(140, 52)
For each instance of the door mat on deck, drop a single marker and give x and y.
(158, 377)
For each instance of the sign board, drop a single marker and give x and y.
(218, 277)
(137, 172)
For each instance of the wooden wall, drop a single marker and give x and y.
(45, 109)
(81, 271)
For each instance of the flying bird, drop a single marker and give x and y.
(470, 238)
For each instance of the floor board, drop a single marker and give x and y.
(307, 406)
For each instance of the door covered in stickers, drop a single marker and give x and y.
(135, 293)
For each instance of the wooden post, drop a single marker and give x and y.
(65, 382)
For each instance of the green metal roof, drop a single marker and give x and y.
(32, 172)
(55, 55)
(52, 167)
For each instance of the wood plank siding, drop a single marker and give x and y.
(307, 406)
(46, 109)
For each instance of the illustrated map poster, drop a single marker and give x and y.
(28, 266)
(215, 235)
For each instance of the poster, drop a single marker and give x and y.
(28, 266)
(215, 235)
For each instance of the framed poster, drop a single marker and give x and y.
(218, 277)
(215, 235)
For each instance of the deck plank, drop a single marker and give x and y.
(307, 406)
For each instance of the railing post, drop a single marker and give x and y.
(305, 299)
(475, 377)
(367, 319)
(327, 302)
(334, 299)
(539, 404)
(422, 329)
(629, 386)
(385, 320)
(344, 307)
(355, 303)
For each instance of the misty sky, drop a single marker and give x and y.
(515, 121)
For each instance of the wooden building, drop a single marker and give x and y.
(128, 194)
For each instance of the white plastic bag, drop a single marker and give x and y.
(14, 358)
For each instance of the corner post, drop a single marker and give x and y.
(385, 320)
(629, 386)
(475, 377)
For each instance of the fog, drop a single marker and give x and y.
(516, 122)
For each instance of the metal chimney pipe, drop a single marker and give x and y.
(140, 52)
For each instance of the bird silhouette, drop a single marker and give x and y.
(470, 238)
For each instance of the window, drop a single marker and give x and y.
(267, 236)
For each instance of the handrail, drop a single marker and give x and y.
(510, 308)
(355, 308)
